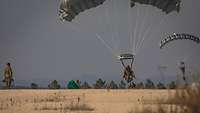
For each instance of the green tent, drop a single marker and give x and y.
(72, 85)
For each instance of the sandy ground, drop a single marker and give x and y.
(79, 101)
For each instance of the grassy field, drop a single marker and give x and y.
(80, 101)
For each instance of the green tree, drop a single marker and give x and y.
(140, 85)
(172, 85)
(85, 85)
(149, 84)
(122, 85)
(34, 86)
(112, 85)
(100, 84)
(54, 85)
(161, 86)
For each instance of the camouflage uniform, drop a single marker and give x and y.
(128, 74)
(8, 76)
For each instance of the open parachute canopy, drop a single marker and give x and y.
(122, 27)
(166, 6)
(69, 9)
(179, 37)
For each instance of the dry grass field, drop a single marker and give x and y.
(80, 101)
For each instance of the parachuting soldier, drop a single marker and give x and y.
(8, 78)
(128, 74)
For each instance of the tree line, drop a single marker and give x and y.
(103, 84)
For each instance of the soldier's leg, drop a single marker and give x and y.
(9, 83)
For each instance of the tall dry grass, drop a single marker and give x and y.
(185, 100)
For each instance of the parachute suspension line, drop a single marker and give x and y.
(98, 36)
(135, 30)
(144, 30)
(123, 64)
(130, 28)
(110, 26)
(143, 22)
(138, 25)
(144, 17)
(132, 63)
(106, 45)
(143, 38)
(107, 25)
(113, 33)
(148, 30)
(116, 23)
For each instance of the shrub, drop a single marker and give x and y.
(140, 85)
(100, 84)
(161, 86)
(122, 85)
(54, 85)
(34, 86)
(85, 85)
(172, 85)
(149, 84)
(112, 85)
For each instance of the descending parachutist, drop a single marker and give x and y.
(128, 72)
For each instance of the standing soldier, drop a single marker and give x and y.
(8, 75)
